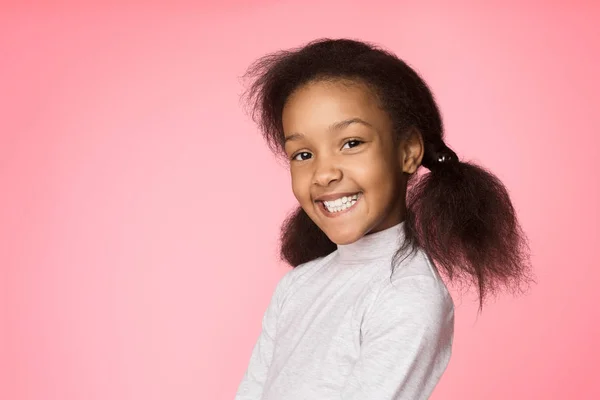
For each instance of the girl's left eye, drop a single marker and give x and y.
(351, 143)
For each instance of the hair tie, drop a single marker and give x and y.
(438, 157)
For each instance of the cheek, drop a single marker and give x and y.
(300, 186)
(378, 179)
(372, 174)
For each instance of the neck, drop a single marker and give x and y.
(373, 246)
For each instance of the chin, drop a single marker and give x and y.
(342, 237)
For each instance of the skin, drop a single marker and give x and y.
(358, 155)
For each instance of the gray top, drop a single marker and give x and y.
(339, 328)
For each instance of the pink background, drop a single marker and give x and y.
(139, 207)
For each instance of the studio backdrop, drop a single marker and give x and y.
(140, 208)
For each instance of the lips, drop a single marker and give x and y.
(334, 196)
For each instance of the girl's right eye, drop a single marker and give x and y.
(302, 156)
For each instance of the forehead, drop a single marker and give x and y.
(319, 104)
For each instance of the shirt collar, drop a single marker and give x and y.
(373, 246)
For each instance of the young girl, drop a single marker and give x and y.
(365, 315)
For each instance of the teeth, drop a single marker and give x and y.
(341, 204)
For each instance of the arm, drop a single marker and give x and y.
(251, 386)
(407, 340)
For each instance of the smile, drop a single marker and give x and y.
(342, 204)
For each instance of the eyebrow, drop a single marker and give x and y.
(292, 137)
(345, 123)
(333, 127)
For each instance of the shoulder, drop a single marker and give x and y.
(414, 290)
(305, 269)
(299, 274)
(418, 273)
(416, 264)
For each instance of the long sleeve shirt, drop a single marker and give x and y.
(344, 327)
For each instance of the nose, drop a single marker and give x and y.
(326, 172)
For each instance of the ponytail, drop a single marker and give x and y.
(462, 216)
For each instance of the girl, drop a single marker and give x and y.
(365, 315)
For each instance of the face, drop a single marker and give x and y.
(348, 172)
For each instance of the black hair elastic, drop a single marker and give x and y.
(438, 157)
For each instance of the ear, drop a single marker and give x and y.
(411, 150)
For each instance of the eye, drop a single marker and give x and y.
(302, 156)
(351, 143)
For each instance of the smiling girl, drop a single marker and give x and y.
(365, 313)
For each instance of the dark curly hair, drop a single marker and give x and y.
(460, 214)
